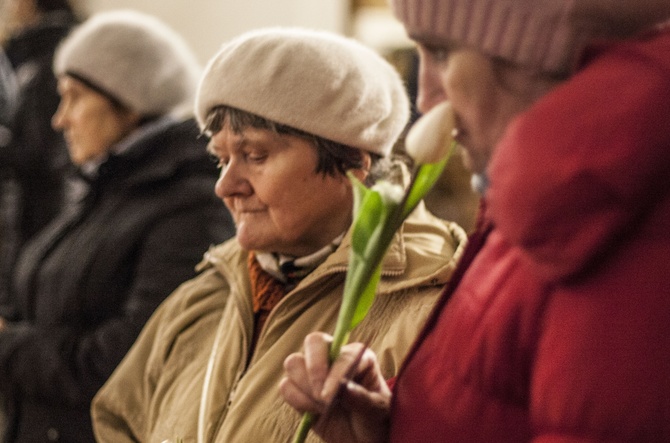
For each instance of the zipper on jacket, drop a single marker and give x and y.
(218, 424)
(242, 368)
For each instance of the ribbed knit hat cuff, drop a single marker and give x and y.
(97, 88)
(532, 33)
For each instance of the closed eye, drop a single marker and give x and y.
(256, 158)
(440, 53)
(220, 162)
(216, 157)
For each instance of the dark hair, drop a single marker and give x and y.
(53, 5)
(332, 157)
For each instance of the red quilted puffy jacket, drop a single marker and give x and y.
(557, 328)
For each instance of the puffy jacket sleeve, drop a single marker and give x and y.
(589, 160)
(123, 409)
(120, 414)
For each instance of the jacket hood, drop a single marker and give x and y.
(570, 181)
(176, 143)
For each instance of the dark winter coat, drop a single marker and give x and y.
(88, 282)
(33, 164)
(8, 95)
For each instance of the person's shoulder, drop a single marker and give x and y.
(167, 150)
(207, 291)
(181, 132)
(219, 258)
(432, 235)
(424, 255)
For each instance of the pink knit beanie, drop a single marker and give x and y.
(538, 34)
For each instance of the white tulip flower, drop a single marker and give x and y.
(430, 138)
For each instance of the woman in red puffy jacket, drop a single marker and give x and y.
(555, 328)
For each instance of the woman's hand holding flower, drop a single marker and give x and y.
(352, 405)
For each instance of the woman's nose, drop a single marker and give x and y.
(57, 120)
(231, 182)
(430, 89)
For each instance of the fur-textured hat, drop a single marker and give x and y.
(134, 58)
(319, 82)
(547, 35)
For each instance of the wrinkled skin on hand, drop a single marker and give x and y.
(350, 398)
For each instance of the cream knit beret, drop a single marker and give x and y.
(315, 81)
(133, 57)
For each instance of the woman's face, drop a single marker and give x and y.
(278, 201)
(90, 122)
(482, 105)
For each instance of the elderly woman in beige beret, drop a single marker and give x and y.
(288, 113)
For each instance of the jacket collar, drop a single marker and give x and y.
(230, 254)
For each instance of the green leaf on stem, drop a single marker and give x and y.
(426, 177)
(366, 218)
(366, 298)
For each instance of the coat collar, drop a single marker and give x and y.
(428, 231)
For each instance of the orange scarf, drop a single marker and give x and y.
(266, 292)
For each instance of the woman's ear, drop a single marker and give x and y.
(366, 163)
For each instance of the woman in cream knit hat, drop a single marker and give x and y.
(289, 112)
(556, 326)
(139, 214)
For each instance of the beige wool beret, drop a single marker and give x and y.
(133, 57)
(319, 82)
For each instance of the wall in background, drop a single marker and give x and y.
(206, 24)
